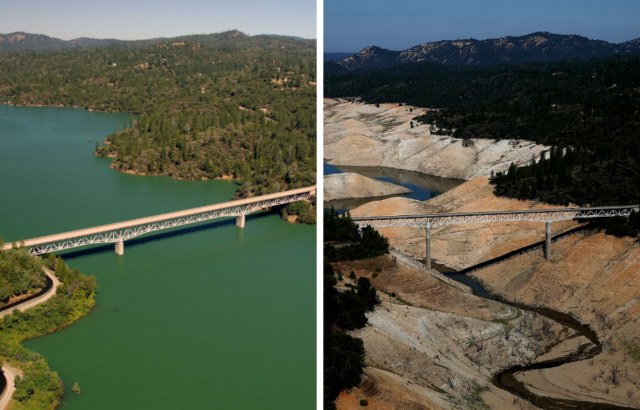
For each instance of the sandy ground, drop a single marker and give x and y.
(464, 245)
(352, 186)
(366, 135)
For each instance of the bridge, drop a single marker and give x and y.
(119, 232)
(542, 215)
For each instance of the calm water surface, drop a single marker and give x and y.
(208, 316)
(424, 186)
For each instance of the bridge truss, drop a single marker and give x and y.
(542, 215)
(120, 235)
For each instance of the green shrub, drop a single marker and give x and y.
(364, 403)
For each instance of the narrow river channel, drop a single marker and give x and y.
(201, 317)
(506, 380)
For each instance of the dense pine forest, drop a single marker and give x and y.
(588, 111)
(224, 105)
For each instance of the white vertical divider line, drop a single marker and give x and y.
(319, 202)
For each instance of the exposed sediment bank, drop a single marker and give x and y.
(355, 186)
(463, 245)
(366, 135)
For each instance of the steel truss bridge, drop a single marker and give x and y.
(542, 215)
(121, 231)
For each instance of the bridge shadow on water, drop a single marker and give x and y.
(159, 236)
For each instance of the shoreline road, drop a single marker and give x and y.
(40, 299)
(11, 372)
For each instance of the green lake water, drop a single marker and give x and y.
(208, 316)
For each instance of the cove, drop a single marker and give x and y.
(424, 186)
(206, 316)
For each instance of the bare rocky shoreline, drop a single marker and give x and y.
(360, 134)
(354, 186)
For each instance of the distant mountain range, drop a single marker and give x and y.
(26, 41)
(336, 56)
(540, 46)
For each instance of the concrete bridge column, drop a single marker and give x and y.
(120, 248)
(427, 259)
(240, 221)
(547, 241)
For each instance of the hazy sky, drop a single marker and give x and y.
(142, 19)
(352, 25)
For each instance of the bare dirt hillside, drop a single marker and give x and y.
(350, 185)
(464, 245)
(434, 346)
(366, 135)
(595, 278)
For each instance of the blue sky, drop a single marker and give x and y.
(351, 25)
(142, 19)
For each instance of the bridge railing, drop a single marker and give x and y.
(119, 232)
(539, 215)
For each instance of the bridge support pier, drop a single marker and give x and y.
(427, 259)
(120, 248)
(547, 241)
(240, 221)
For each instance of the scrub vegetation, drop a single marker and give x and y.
(39, 387)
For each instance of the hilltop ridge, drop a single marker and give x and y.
(535, 47)
(20, 40)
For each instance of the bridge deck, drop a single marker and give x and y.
(158, 218)
(489, 213)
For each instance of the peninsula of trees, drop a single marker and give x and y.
(39, 387)
(220, 106)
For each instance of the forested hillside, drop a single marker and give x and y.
(588, 110)
(202, 106)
